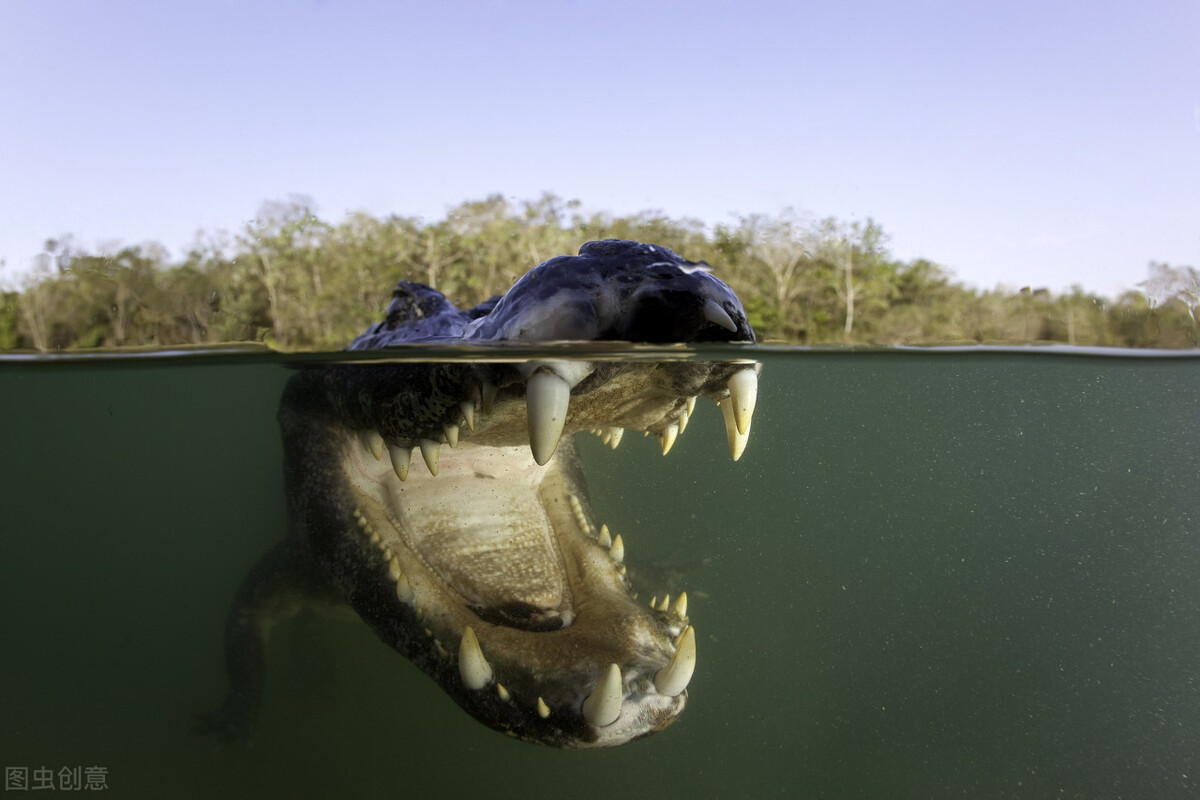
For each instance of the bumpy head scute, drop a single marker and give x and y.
(614, 290)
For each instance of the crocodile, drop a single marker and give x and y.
(486, 566)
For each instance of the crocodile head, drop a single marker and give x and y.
(481, 559)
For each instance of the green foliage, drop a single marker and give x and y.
(9, 316)
(298, 282)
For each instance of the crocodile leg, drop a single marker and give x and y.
(276, 589)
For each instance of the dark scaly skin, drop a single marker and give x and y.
(549, 632)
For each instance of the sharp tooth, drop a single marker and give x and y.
(502, 693)
(401, 458)
(668, 436)
(487, 396)
(616, 434)
(690, 404)
(718, 316)
(468, 412)
(394, 570)
(665, 604)
(680, 607)
(452, 435)
(654, 601)
(737, 441)
(373, 442)
(605, 539)
(430, 450)
(543, 709)
(474, 669)
(404, 590)
(673, 678)
(580, 518)
(617, 551)
(743, 393)
(684, 417)
(603, 705)
(547, 398)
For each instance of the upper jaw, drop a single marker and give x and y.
(535, 403)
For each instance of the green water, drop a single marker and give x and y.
(931, 575)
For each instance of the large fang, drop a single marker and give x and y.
(373, 442)
(547, 397)
(468, 412)
(476, 672)
(401, 458)
(668, 436)
(603, 705)
(743, 393)
(674, 677)
(430, 450)
(737, 440)
(718, 316)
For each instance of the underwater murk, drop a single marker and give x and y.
(946, 573)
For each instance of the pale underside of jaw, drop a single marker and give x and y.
(448, 556)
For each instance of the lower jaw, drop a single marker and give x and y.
(537, 685)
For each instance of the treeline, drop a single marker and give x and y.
(296, 281)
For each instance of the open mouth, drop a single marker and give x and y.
(491, 570)
(485, 565)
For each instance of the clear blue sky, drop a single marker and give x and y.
(1042, 143)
